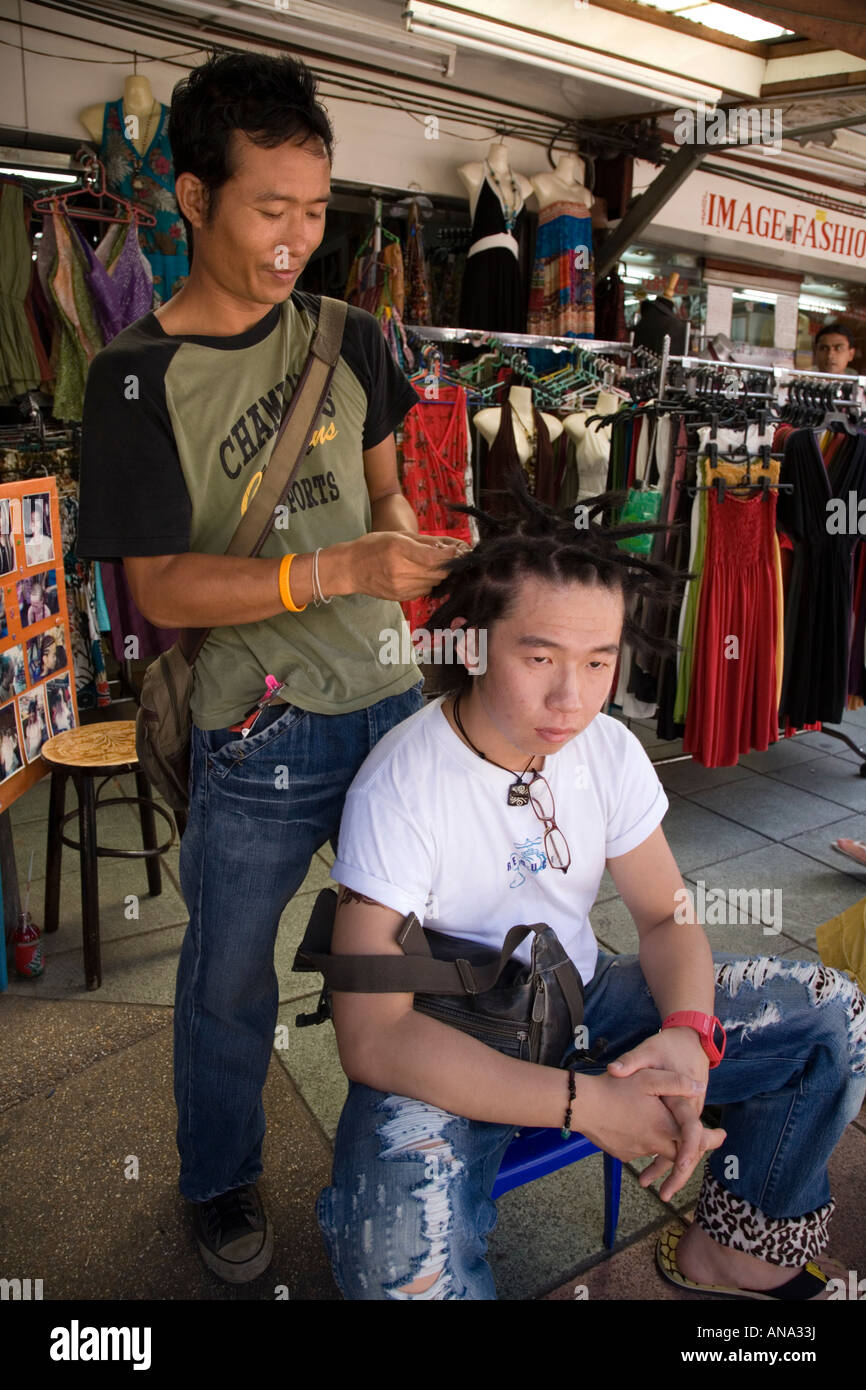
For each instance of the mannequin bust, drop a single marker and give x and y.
(592, 445)
(564, 184)
(472, 176)
(575, 425)
(138, 101)
(488, 421)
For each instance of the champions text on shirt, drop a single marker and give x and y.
(176, 433)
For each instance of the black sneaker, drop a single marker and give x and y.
(234, 1234)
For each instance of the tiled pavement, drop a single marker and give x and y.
(85, 1078)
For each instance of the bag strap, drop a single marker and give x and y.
(416, 971)
(289, 450)
(571, 991)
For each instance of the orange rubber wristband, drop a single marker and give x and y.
(285, 591)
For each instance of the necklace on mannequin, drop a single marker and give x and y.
(529, 467)
(529, 430)
(146, 138)
(509, 215)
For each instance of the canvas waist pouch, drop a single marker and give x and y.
(530, 1012)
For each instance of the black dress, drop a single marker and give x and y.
(503, 461)
(818, 601)
(491, 295)
(657, 320)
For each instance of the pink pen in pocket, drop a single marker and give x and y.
(272, 685)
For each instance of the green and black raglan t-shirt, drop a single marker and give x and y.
(175, 433)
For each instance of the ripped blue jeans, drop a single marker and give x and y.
(410, 1196)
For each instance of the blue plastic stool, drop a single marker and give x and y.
(533, 1153)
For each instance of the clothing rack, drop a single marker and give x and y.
(831, 733)
(483, 337)
(31, 430)
(764, 383)
(591, 360)
(784, 377)
(452, 239)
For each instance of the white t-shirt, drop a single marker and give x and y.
(427, 829)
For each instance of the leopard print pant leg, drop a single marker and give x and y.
(739, 1224)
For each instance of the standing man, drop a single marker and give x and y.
(180, 416)
(834, 350)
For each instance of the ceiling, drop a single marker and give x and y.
(835, 23)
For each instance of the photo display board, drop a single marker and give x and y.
(37, 680)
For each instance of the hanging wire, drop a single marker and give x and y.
(109, 62)
(23, 67)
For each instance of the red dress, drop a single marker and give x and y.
(732, 705)
(435, 457)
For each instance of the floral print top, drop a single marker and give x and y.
(148, 180)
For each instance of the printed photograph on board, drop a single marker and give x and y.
(11, 760)
(37, 597)
(46, 653)
(60, 709)
(34, 721)
(13, 677)
(38, 541)
(7, 539)
(4, 626)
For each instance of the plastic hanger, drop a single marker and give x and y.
(93, 186)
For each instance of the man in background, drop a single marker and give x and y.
(834, 350)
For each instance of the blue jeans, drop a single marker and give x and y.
(410, 1195)
(260, 807)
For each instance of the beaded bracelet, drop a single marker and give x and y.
(572, 1092)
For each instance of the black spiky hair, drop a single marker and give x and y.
(526, 537)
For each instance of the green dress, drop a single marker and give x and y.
(19, 366)
(79, 337)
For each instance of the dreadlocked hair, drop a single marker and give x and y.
(527, 537)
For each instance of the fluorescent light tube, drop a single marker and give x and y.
(756, 296)
(41, 175)
(504, 41)
(257, 18)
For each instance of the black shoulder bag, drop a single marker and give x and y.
(528, 1012)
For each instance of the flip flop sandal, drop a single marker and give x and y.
(805, 1285)
(847, 853)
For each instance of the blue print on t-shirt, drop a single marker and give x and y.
(529, 856)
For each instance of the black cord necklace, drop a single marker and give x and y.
(518, 792)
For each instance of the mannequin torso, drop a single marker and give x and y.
(563, 185)
(575, 425)
(491, 292)
(520, 398)
(496, 168)
(138, 102)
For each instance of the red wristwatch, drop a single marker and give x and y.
(708, 1029)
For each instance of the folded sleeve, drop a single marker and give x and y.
(383, 855)
(639, 803)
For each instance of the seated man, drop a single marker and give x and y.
(429, 828)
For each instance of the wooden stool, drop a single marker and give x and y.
(106, 749)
